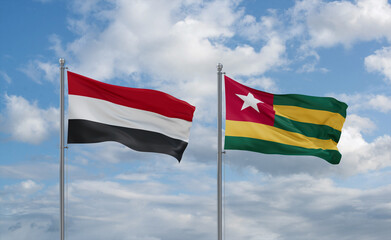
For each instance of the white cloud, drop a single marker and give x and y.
(26, 122)
(244, 60)
(381, 103)
(344, 22)
(135, 176)
(362, 102)
(311, 67)
(319, 23)
(138, 38)
(380, 62)
(39, 71)
(24, 188)
(301, 207)
(358, 155)
(265, 83)
(5, 76)
(264, 29)
(34, 171)
(56, 46)
(295, 206)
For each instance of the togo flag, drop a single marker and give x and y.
(142, 119)
(289, 124)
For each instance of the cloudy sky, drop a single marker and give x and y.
(314, 47)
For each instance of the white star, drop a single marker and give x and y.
(249, 101)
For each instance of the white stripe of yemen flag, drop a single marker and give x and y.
(142, 119)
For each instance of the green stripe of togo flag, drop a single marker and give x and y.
(311, 102)
(262, 146)
(307, 129)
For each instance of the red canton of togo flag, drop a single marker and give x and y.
(142, 119)
(290, 124)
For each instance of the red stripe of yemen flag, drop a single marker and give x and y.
(237, 94)
(142, 119)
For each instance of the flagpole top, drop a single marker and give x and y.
(62, 61)
(219, 67)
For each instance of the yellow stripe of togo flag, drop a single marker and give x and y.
(334, 120)
(270, 133)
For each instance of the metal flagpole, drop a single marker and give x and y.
(219, 153)
(62, 217)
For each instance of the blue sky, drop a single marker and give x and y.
(322, 48)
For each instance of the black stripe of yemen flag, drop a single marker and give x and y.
(142, 119)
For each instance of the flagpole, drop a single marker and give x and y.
(62, 217)
(219, 153)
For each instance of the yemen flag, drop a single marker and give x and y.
(142, 119)
(290, 124)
